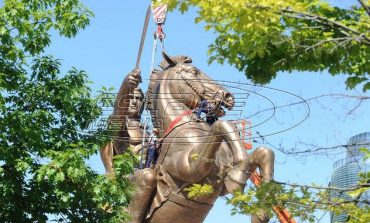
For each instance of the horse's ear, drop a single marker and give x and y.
(168, 59)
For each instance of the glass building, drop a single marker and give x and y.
(346, 171)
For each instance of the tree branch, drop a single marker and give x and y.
(324, 20)
(344, 189)
(314, 150)
(363, 4)
(320, 19)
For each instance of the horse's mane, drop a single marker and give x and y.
(155, 77)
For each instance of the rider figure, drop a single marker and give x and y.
(124, 122)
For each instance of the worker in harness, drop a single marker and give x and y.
(212, 111)
(203, 107)
(153, 148)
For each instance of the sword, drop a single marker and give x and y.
(143, 35)
(145, 28)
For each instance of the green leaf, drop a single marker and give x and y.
(59, 177)
(199, 190)
(366, 153)
(358, 192)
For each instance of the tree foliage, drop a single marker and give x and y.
(43, 115)
(302, 201)
(264, 37)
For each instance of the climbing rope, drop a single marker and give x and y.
(159, 15)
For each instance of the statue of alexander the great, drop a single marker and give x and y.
(192, 151)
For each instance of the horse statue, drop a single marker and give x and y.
(192, 151)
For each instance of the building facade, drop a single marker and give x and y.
(346, 171)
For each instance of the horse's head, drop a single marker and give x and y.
(192, 85)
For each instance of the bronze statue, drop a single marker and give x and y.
(125, 121)
(192, 152)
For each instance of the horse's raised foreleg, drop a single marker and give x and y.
(145, 182)
(263, 159)
(260, 217)
(195, 163)
(227, 132)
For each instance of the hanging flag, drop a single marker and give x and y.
(159, 13)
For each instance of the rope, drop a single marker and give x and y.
(154, 50)
(143, 145)
(158, 34)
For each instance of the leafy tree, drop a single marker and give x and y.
(43, 115)
(302, 201)
(264, 37)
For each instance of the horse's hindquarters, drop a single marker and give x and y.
(173, 212)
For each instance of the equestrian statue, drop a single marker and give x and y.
(191, 150)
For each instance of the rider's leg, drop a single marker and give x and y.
(145, 182)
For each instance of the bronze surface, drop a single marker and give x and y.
(191, 152)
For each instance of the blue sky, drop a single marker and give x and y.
(107, 50)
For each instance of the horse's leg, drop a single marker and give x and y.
(228, 133)
(145, 182)
(192, 170)
(260, 217)
(263, 159)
